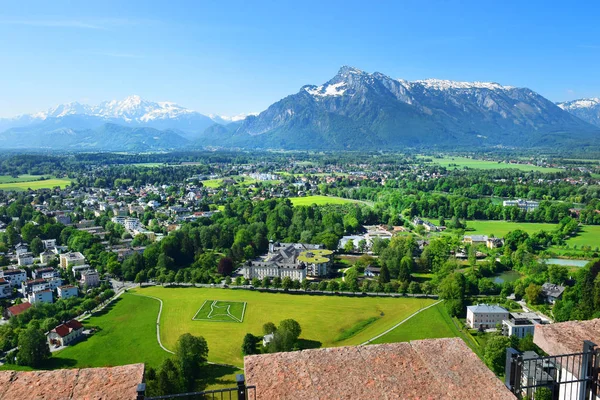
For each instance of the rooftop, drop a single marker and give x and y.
(566, 337)
(118, 383)
(487, 308)
(19, 308)
(424, 369)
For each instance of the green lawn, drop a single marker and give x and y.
(589, 235)
(461, 162)
(429, 324)
(319, 200)
(324, 319)
(241, 180)
(501, 228)
(24, 182)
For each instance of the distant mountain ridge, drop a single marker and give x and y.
(586, 109)
(358, 110)
(355, 110)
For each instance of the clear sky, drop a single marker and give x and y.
(230, 57)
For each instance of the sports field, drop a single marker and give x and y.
(325, 320)
(461, 162)
(24, 182)
(320, 200)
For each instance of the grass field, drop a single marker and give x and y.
(429, 324)
(461, 162)
(241, 180)
(221, 311)
(325, 320)
(24, 182)
(320, 200)
(501, 228)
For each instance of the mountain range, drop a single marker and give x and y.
(354, 110)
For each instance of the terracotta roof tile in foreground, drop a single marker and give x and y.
(118, 383)
(425, 369)
(566, 337)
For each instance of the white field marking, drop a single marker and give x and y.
(400, 323)
(157, 321)
(200, 309)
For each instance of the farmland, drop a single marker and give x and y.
(463, 162)
(24, 182)
(501, 228)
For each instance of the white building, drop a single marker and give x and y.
(66, 333)
(67, 291)
(5, 289)
(71, 259)
(25, 259)
(90, 278)
(45, 273)
(43, 296)
(520, 324)
(485, 316)
(15, 277)
(522, 204)
(49, 243)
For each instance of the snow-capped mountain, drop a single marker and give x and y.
(133, 111)
(224, 120)
(356, 110)
(586, 109)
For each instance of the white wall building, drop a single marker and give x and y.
(485, 316)
(15, 277)
(67, 291)
(43, 296)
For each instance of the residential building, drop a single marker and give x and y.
(525, 205)
(49, 243)
(63, 219)
(485, 316)
(66, 334)
(80, 269)
(372, 272)
(493, 243)
(67, 291)
(34, 285)
(71, 259)
(15, 277)
(46, 256)
(293, 260)
(423, 369)
(5, 289)
(24, 259)
(429, 227)
(268, 338)
(520, 324)
(45, 273)
(21, 248)
(475, 240)
(90, 278)
(552, 292)
(43, 296)
(17, 309)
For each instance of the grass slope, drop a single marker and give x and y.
(322, 318)
(501, 228)
(589, 235)
(429, 324)
(24, 182)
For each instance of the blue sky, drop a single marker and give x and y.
(229, 57)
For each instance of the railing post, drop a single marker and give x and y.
(241, 390)
(512, 370)
(587, 369)
(141, 391)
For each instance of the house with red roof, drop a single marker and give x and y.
(16, 310)
(65, 334)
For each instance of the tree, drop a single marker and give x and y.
(495, 353)
(558, 274)
(452, 289)
(190, 353)
(286, 283)
(249, 344)
(33, 347)
(332, 286)
(349, 246)
(292, 326)
(384, 274)
(406, 268)
(36, 246)
(269, 328)
(167, 379)
(225, 266)
(414, 287)
(276, 282)
(533, 293)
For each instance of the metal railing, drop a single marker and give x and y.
(565, 377)
(241, 392)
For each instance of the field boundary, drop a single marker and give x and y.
(216, 311)
(400, 323)
(157, 321)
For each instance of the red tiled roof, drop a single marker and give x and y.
(74, 324)
(19, 308)
(2, 280)
(424, 369)
(114, 383)
(62, 330)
